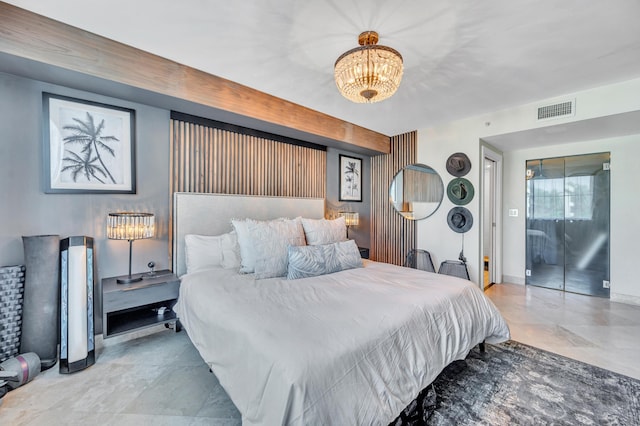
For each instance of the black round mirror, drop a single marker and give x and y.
(416, 191)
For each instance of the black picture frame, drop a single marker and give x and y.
(350, 178)
(89, 147)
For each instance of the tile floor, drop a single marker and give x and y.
(159, 379)
(155, 379)
(590, 329)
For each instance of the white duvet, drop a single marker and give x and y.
(349, 348)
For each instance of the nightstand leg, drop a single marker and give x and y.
(177, 327)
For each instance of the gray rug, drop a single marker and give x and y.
(516, 384)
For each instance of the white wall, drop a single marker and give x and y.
(433, 233)
(437, 143)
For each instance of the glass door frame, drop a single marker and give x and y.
(568, 223)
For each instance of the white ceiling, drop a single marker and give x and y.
(462, 57)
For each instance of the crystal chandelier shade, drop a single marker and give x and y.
(130, 226)
(369, 73)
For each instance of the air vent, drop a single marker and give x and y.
(562, 109)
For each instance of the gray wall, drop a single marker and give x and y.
(26, 210)
(361, 233)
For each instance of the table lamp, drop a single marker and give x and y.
(350, 219)
(130, 226)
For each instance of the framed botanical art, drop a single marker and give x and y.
(89, 147)
(350, 176)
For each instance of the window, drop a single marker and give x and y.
(561, 198)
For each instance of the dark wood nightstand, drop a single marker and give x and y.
(364, 252)
(130, 307)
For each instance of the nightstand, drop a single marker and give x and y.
(130, 307)
(364, 252)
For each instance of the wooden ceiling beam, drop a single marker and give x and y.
(34, 37)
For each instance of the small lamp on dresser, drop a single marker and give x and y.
(130, 226)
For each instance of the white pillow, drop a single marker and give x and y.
(322, 231)
(247, 259)
(270, 242)
(230, 250)
(246, 244)
(206, 251)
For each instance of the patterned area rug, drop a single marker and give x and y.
(516, 384)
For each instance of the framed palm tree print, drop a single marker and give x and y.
(350, 178)
(89, 147)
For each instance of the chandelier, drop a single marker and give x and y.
(369, 73)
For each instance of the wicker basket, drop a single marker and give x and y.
(11, 295)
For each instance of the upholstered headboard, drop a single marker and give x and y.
(211, 214)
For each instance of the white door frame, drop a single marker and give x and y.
(494, 155)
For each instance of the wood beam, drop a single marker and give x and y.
(27, 35)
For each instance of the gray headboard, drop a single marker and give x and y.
(211, 214)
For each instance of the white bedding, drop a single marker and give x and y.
(353, 347)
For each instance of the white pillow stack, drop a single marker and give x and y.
(260, 247)
(206, 252)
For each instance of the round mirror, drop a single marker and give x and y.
(416, 191)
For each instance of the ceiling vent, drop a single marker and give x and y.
(559, 110)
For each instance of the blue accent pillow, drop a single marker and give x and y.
(311, 261)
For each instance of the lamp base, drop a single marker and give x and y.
(129, 279)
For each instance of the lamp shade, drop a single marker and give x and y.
(350, 218)
(369, 73)
(130, 226)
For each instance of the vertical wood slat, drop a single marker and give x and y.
(392, 236)
(211, 160)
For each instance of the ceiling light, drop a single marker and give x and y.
(369, 73)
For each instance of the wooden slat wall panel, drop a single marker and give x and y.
(211, 160)
(392, 236)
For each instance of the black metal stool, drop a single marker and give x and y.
(419, 259)
(454, 268)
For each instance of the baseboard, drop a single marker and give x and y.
(511, 279)
(625, 298)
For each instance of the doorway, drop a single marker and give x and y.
(568, 215)
(491, 217)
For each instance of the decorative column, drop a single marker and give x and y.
(41, 299)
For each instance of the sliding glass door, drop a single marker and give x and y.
(545, 223)
(587, 201)
(568, 223)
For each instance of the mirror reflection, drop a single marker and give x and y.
(416, 191)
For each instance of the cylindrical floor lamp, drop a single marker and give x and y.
(77, 348)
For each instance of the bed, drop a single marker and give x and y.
(349, 347)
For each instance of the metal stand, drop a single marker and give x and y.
(129, 279)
